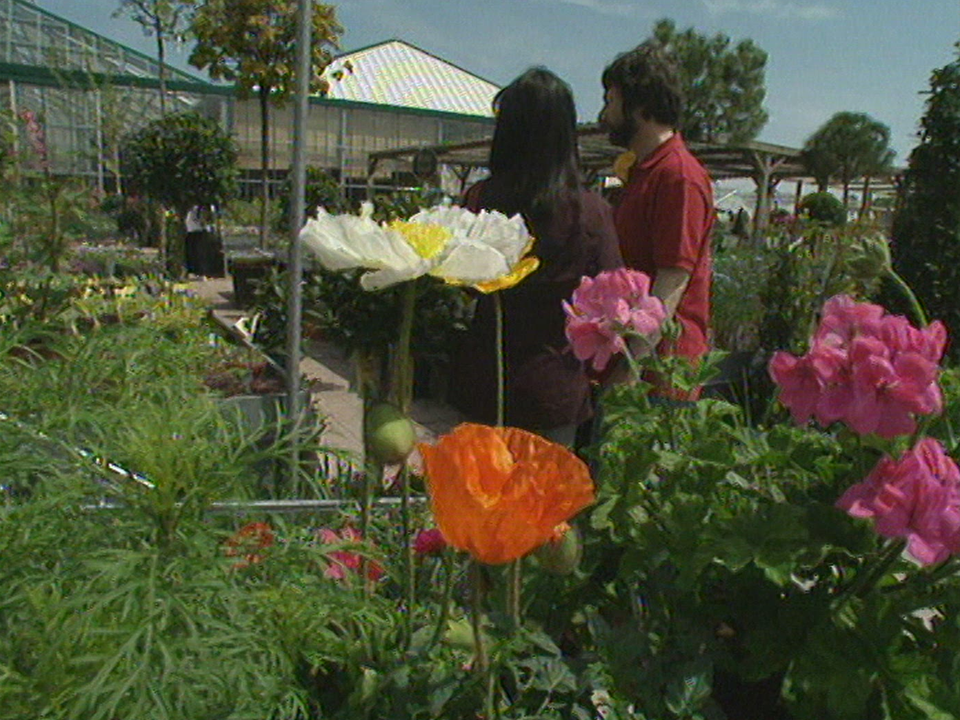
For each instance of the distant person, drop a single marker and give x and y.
(665, 213)
(535, 171)
(203, 253)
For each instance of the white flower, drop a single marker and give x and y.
(460, 247)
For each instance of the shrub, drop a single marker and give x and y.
(823, 207)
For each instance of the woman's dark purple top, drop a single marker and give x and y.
(546, 386)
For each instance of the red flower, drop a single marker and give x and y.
(345, 560)
(429, 542)
(248, 541)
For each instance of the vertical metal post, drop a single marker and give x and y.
(295, 263)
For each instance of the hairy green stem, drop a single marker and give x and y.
(869, 576)
(501, 371)
(915, 307)
(402, 390)
(482, 660)
(449, 569)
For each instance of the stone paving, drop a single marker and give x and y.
(329, 370)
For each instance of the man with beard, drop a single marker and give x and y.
(665, 212)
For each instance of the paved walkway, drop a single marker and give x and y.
(329, 370)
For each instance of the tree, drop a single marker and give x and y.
(163, 20)
(180, 161)
(253, 44)
(926, 228)
(848, 146)
(724, 86)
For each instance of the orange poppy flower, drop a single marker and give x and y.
(499, 493)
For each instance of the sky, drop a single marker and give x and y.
(825, 56)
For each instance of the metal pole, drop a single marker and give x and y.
(295, 264)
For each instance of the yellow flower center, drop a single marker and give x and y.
(427, 239)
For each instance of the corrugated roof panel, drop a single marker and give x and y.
(396, 73)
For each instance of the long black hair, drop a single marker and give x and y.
(534, 160)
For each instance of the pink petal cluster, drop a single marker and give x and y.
(37, 138)
(344, 560)
(916, 498)
(429, 542)
(873, 371)
(605, 308)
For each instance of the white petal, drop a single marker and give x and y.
(508, 236)
(379, 279)
(471, 263)
(326, 237)
(342, 242)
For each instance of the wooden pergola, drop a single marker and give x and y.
(765, 163)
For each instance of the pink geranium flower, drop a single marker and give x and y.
(606, 308)
(344, 562)
(916, 498)
(874, 372)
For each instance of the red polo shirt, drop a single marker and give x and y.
(663, 220)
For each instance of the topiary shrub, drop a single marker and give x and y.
(824, 208)
(180, 161)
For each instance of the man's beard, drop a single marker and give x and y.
(622, 134)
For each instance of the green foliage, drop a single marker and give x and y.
(849, 145)
(719, 580)
(926, 231)
(181, 161)
(724, 86)
(251, 43)
(802, 263)
(321, 190)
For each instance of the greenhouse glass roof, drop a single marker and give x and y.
(32, 37)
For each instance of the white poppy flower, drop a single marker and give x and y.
(461, 247)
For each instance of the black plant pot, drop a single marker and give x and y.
(245, 274)
(749, 700)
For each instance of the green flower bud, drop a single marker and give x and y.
(459, 635)
(870, 258)
(561, 556)
(389, 434)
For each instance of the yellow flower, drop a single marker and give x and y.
(451, 243)
(624, 164)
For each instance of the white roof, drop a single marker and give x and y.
(397, 73)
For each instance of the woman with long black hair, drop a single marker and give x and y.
(535, 171)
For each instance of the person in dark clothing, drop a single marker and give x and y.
(534, 171)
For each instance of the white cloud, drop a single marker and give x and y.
(621, 8)
(774, 8)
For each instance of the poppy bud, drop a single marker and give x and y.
(389, 434)
(560, 556)
(459, 635)
(870, 258)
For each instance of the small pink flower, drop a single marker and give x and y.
(916, 498)
(429, 542)
(605, 308)
(800, 384)
(345, 560)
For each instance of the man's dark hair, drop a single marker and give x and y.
(648, 78)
